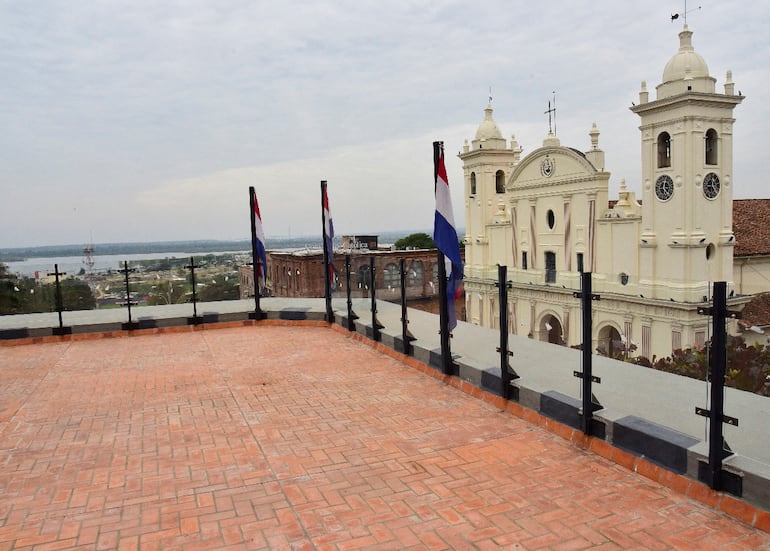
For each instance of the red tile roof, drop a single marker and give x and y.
(751, 226)
(756, 312)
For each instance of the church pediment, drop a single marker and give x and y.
(549, 166)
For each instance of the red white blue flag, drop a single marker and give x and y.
(259, 246)
(445, 234)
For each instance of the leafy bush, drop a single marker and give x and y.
(748, 366)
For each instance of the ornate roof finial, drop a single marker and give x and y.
(675, 16)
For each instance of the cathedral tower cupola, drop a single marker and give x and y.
(686, 71)
(488, 135)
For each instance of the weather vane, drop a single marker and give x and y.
(551, 110)
(490, 95)
(675, 16)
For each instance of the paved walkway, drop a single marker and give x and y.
(300, 438)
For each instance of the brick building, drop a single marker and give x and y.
(301, 273)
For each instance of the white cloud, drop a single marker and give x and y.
(107, 107)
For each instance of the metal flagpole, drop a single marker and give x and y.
(443, 311)
(255, 260)
(327, 277)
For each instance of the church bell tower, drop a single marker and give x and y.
(686, 240)
(487, 165)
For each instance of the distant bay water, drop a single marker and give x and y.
(72, 264)
(110, 256)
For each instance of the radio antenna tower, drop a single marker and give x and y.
(88, 260)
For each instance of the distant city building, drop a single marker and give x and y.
(547, 216)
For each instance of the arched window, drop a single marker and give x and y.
(414, 278)
(391, 276)
(500, 181)
(473, 183)
(611, 344)
(711, 146)
(664, 150)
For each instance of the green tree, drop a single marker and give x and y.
(419, 240)
(220, 289)
(10, 298)
(23, 295)
(76, 295)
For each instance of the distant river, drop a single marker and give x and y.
(73, 264)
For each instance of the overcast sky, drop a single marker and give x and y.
(147, 120)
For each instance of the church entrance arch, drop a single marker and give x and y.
(610, 342)
(551, 330)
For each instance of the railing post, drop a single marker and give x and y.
(712, 473)
(352, 317)
(125, 271)
(586, 297)
(718, 360)
(195, 319)
(61, 330)
(406, 336)
(376, 335)
(507, 374)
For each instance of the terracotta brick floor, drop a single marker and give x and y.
(300, 438)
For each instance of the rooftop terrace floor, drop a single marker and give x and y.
(271, 437)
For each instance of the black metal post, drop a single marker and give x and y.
(447, 365)
(506, 373)
(589, 405)
(125, 271)
(59, 302)
(327, 260)
(256, 261)
(406, 335)
(718, 365)
(712, 473)
(352, 317)
(587, 351)
(195, 319)
(376, 336)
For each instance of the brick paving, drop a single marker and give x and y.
(301, 438)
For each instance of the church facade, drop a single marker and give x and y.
(547, 216)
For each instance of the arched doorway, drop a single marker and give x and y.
(610, 342)
(551, 330)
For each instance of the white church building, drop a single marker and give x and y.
(653, 258)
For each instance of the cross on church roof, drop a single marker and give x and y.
(551, 128)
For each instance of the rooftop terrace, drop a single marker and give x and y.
(306, 437)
